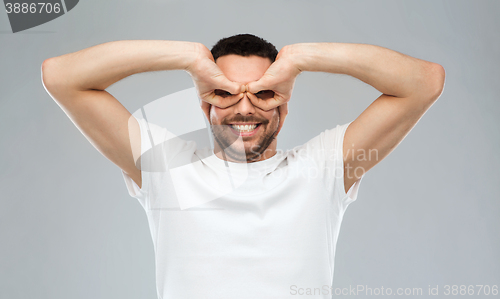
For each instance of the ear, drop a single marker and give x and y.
(206, 109)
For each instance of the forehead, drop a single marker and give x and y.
(243, 69)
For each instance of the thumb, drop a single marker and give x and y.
(264, 83)
(229, 86)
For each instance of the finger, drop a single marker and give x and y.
(264, 83)
(223, 102)
(268, 104)
(256, 101)
(232, 87)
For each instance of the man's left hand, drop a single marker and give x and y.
(280, 79)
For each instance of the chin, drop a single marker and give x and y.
(243, 153)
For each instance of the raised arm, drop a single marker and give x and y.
(409, 87)
(77, 82)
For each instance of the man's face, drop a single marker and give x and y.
(243, 130)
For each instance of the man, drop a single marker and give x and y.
(270, 230)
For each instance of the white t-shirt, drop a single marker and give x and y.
(222, 230)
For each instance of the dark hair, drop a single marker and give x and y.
(244, 45)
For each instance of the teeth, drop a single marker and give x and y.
(244, 128)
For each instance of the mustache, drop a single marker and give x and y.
(243, 119)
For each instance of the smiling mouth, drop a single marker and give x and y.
(244, 129)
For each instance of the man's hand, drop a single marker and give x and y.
(212, 86)
(279, 78)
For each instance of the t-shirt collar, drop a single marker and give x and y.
(263, 166)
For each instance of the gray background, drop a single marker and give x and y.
(426, 215)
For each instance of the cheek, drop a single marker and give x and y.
(216, 115)
(274, 118)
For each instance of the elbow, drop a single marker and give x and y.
(437, 80)
(431, 83)
(47, 75)
(54, 79)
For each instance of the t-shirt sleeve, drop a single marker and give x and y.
(158, 146)
(327, 150)
(351, 194)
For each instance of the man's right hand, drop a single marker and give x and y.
(212, 86)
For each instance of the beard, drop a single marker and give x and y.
(241, 148)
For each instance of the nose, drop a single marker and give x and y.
(244, 106)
